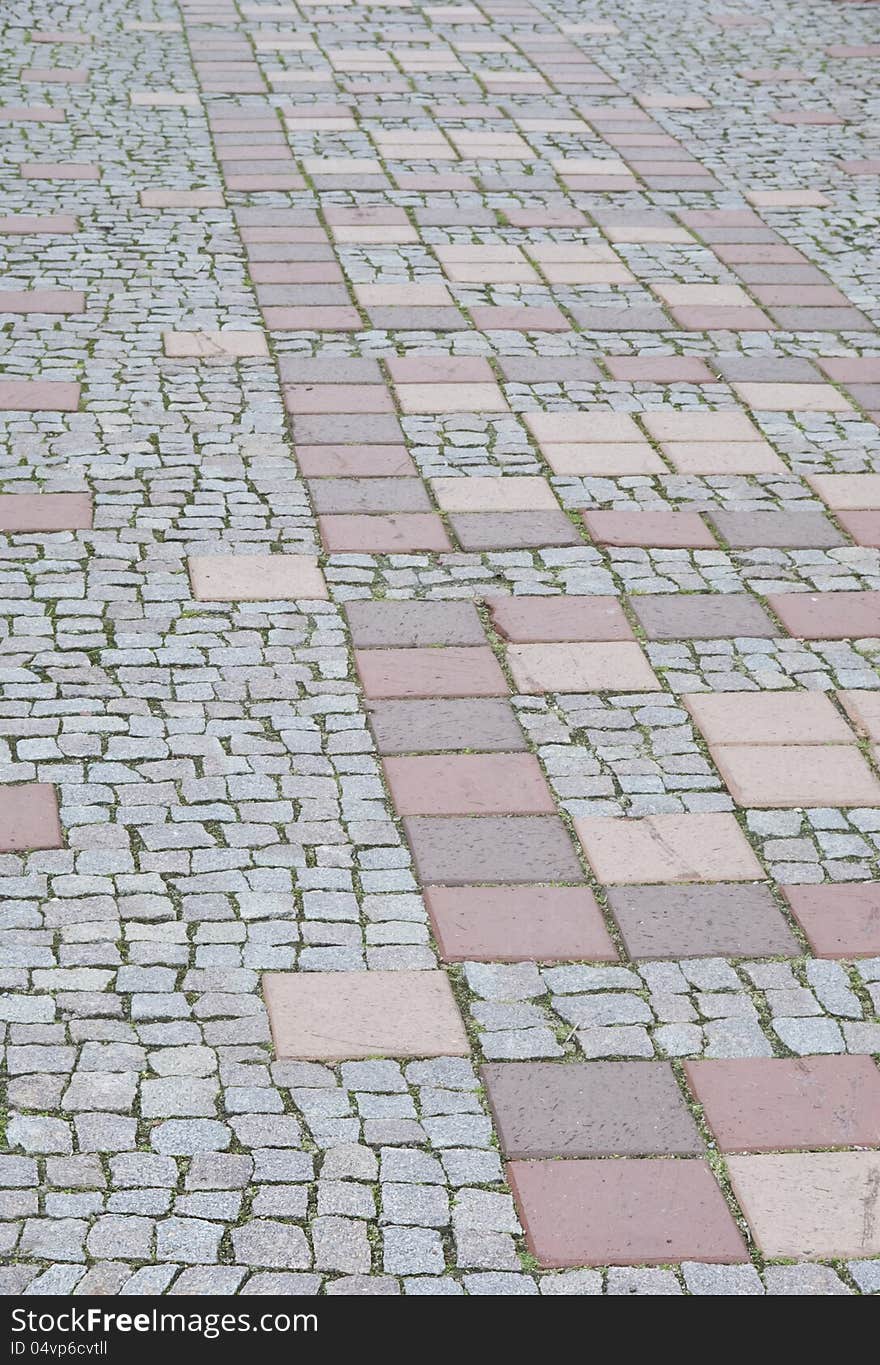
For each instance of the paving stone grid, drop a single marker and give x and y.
(435, 437)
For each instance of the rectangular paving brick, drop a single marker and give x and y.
(533, 620)
(38, 395)
(255, 578)
(354, 462)
(468, 784)
(45, 512)
(618, 666)
(340, 1016)
(658, 530)
(449, 672)
(29, 817)
(402, 624)
(369, 496)
(396, 533)
(768, 718)
(768, 1104)
(513, 530)
(627, 1212)
(803, 529)
(589, 1109)
(64, 301)
(226, 344)
(518, 924)
(479, 724)
(667, 848)
(701, 921)
(831, 616)
(456, 851)
(817, 1205)
(702, 616)
(863, 709)
(779, 775)
(839, 921)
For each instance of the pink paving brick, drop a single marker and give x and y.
(819, 1205)
(42, 301)
(794, 775)
(38, 395)
(398, 533)
(451, 672)
(468, 784)
(45, 512)
(531, 620)
(658, 530)
(839, 921)
(29, 817)
(518, 924)
(768, 1104)
(626, 1212)
(334, 1016)
(667, 848)
(831, 616)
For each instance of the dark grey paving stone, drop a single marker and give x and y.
(777, 530)
(513, 530)
(369, 495)
(413, 625)
(458, 850)
(483, 725)
(701, 921)
(586, 1109)
(702, 616)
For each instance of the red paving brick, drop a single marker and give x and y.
(625, 1212)
(29, 817)
(518, 924)
(768, 1104)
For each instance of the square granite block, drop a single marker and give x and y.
(794, 775)
(513, 530)
(45, 512)
(810, 1205)
(468, 784)
(255, 578)
(456, 851)
(626, 1212)
(829, 616)
(397, 533)
(483, 725)
(776, 530)
(585, 1109)
(449, 672)
(410, 625)
(702, 616)
(667, 848)
(616, 666)
(768, 718)
(701, 921)
(533, 620)
(341, 1016)
(518, 924)
(656, 530)
(839, 921)
(29, 818)
(768, 1104)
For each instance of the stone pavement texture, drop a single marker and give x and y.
(440, 523)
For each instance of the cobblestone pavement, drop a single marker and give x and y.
(415, 418)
